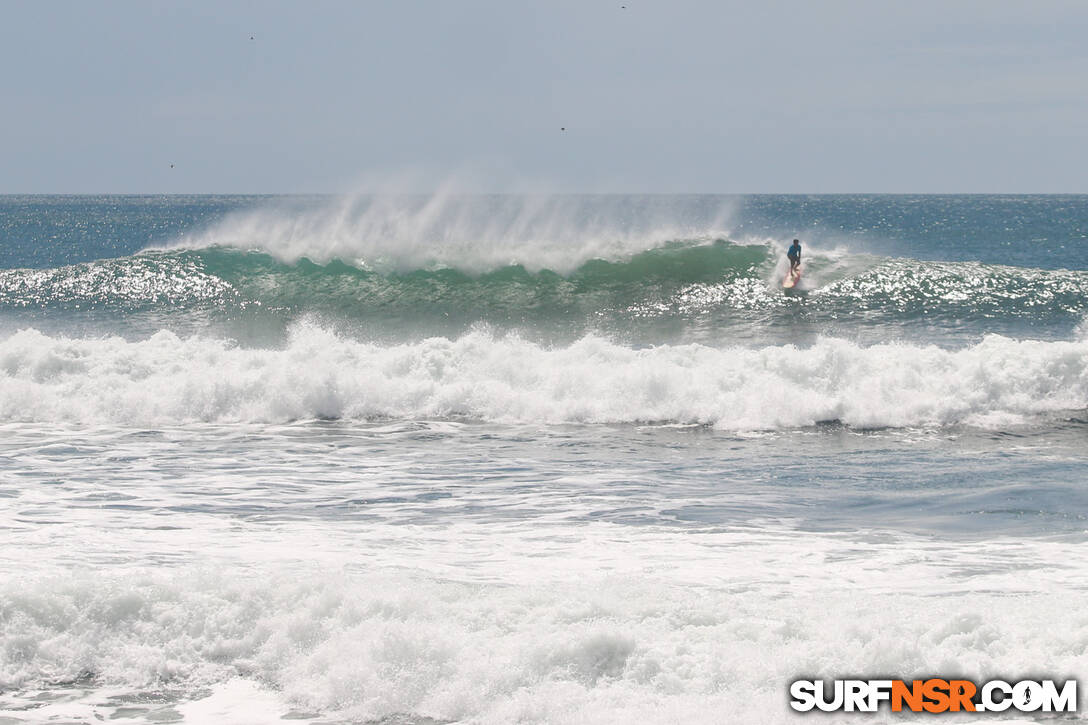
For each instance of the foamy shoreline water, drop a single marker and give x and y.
(597, 626)
(548, 623)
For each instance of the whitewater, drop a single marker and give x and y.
(166, 380)
(563, 459)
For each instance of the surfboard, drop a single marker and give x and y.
(791, 279)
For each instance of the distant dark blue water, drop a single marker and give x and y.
(1042, 232)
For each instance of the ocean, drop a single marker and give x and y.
(543, 459)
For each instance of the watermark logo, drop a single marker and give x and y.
(933, 695)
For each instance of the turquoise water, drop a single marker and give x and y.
(539, 459)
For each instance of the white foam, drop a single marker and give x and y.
(169, 380)
(472, 233)
(595, 624)
(236, 701)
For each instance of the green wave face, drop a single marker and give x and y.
(219, 276)
(696, 290)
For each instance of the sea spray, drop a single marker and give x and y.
(472, 233)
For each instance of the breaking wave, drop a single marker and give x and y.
(682, 278)
(167, 380)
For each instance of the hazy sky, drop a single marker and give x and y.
(733, 97)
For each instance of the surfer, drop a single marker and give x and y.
(794, 254)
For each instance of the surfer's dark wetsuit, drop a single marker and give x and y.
(794, 254)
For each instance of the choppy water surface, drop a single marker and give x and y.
(498, 459)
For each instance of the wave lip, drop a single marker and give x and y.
(166, 380)
(474, 234)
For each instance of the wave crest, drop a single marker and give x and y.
(166, 380)
(475, 234)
